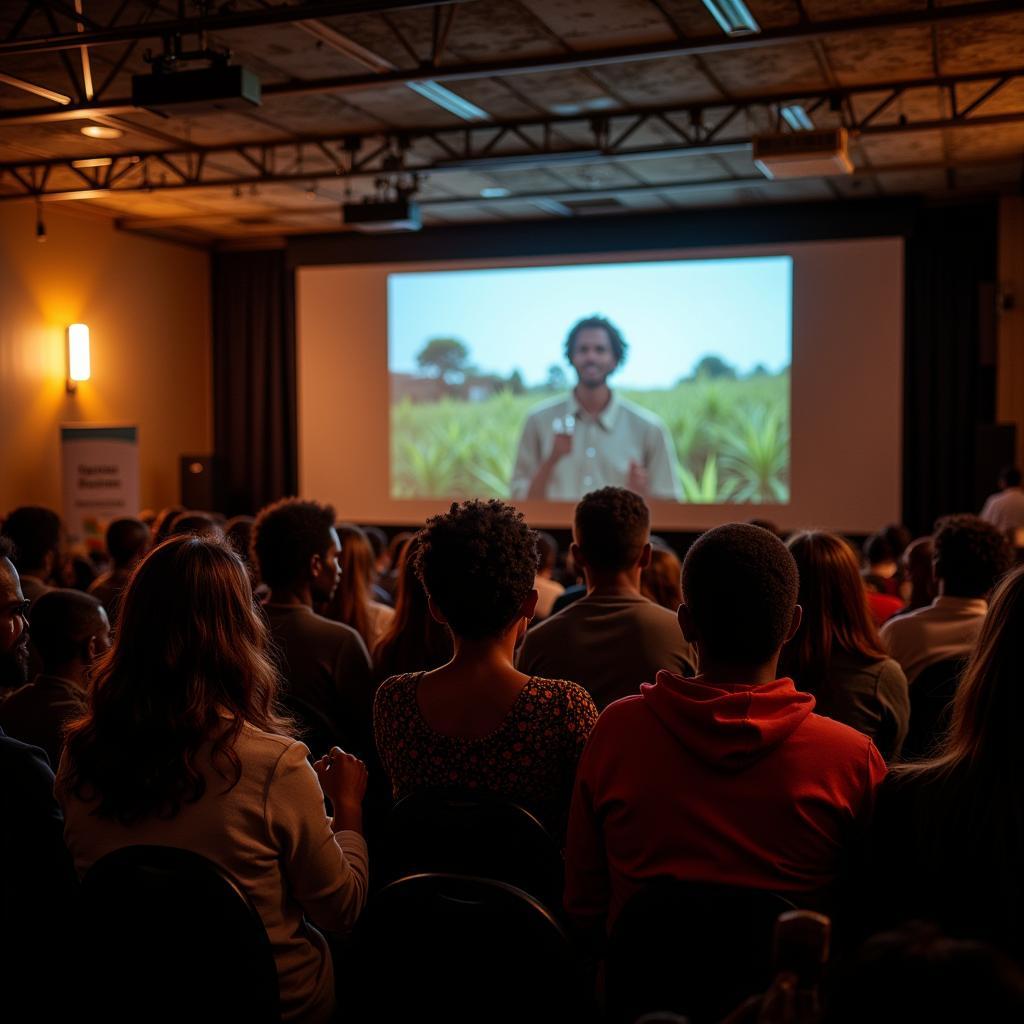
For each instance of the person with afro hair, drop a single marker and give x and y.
(969, 557)
(728, 778)
(477, 723)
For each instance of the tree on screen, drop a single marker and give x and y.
(557, 381)
(714, 366)
(445, 358)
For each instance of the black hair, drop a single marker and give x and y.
(196, 524)
(35, 532)
(970, 555)
(547, 550)
(477, 562)
(878, 549)
(740, 583)
(286, 535)
(62, 621)
(615, 338)
(378, 540)
(611, 527)
(126, 540)
(1010, 476)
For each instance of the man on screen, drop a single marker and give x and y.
(592, 437)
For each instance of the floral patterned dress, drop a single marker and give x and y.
(530, 758)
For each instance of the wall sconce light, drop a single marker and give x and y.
(78, 355)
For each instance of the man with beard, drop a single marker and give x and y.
(593, 438)
(325, 666)
(36, 876)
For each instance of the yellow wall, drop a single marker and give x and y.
(1010, 377)
(147, 304)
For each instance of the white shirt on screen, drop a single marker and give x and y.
(603, 446)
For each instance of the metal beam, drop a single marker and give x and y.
(560, 62)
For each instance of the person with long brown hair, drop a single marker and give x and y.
(182, 745)
(352, 601)
(660, 581)
(415, 640)
(948, 834)
(836, 654)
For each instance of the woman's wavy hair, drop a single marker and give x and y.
(415, 639)
(189, 665)
(836, 617)
(350, 602)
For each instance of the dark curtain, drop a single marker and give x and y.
(254, 388)
(951, 264)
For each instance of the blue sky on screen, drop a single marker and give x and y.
(671, 313)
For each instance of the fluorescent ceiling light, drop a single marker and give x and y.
(100, 131)
(95, 161)
(733, 17)
(495, 192)
(437, 93)
(797, 118)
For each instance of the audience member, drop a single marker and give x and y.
(127, 542)
(181, 746)
(415, 640)
(882, 567)
(919, 974)
(548, 589)
(388, 580)
(969, 557)
(14, 607)
(1005, 509)
(238, 533)
(325, 664)
(164, 521)
(70, 631)
(76, 571)
(728, 777)
(614, 638)
(948, 837)
(352, 601)
(36, 535)
(196, 524)
(769, 525)
(836, 653)
(378, 540)
(477, 723)
(660, 581)
(918, 578)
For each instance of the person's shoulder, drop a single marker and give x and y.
(23, 765)
(640, 412)
(547, 407)
(561, 692)
(839, 739)
(395, 688)
(255, 744)
(907, 622)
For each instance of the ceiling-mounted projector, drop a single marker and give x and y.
(222, 86)
(803, 154)
(380, 216)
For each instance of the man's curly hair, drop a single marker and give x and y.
(615, 338)
(971, 556)
(477, 562)
(286, 535)
(611, 527)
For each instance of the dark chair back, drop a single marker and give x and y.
(475, 834)
(461, 949)
(165, 934)
(931, 702)
(691, 948)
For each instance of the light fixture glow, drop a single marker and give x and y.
(495, 192)
(733, 16)
(79, 364)
(796, 117)
(101, 131)
(93, 161)
(454, 104)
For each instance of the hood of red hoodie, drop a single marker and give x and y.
(728, 728)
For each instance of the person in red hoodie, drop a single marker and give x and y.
(728, 777)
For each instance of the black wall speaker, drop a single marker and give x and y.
(201, 483)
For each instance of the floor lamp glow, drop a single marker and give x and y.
(79, 367)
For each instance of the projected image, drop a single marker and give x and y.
(669, 377)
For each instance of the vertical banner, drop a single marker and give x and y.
(100, 472)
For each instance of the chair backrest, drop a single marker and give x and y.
(474, 834)
(166, 934)
(931, 702)
(690, 947)
(460, 949)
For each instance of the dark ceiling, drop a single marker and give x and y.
(566, 107)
